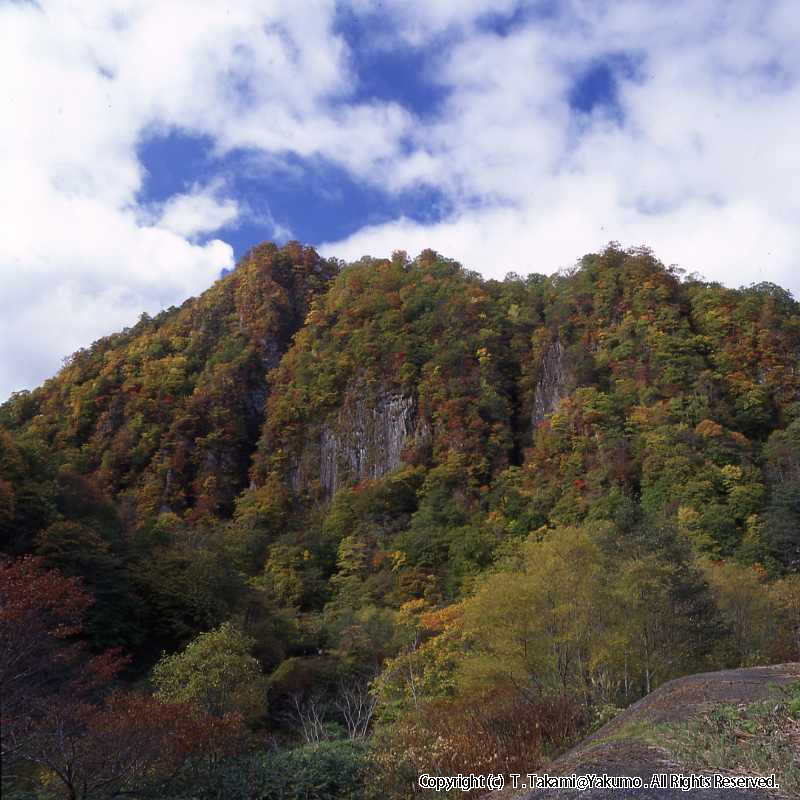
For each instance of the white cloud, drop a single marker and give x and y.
(200, 211)
(83, 83)
(702, 165)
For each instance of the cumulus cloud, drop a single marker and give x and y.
(690, 149)
(82, 84)
(198, 211)
(694, 154)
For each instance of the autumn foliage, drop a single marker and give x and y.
(594, 486)
(64, 724)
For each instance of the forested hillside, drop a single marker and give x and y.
(385, 518)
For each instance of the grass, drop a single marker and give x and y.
(755, 739)
(638, 729)
(759, 738)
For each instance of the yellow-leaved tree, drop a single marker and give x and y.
(544, 622)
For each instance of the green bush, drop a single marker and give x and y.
(329, 770)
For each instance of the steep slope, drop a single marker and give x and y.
(399, 425)
(400, 362)
(664, 397)
(164, 416)
(607, 393)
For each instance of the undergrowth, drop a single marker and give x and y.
(755, 739)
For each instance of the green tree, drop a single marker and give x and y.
(749, 609)
(215, 672)
(78, 551)
(543, 622)
(650, 633)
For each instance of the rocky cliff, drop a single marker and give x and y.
(363, 440)
(552, 383)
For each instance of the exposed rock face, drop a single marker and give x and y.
(366, 440)
(551, 386)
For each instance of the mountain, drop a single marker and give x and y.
(165, 415)
(565, 489)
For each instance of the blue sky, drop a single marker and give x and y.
(153, 143)
(315, 200)
(312, 200)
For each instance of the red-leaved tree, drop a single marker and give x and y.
(62, 718)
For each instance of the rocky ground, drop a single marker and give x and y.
(627, 745)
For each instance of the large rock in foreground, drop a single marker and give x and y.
(625, 746)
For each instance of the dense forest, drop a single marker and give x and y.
(329, 526)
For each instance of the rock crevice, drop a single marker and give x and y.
(364, 440)
(552, 383)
